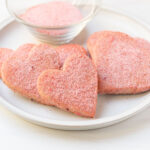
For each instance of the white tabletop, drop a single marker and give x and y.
(17, 134)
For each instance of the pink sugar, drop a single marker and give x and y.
(52, 14)
(55, 13)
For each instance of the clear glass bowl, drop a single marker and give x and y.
(88, 8)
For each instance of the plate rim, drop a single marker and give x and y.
(85, 124)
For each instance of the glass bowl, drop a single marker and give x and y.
(63, 34)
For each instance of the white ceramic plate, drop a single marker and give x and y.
(110, 109)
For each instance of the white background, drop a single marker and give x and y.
(133, 134)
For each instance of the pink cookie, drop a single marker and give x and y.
(67, 50)
(21, 70)
(122, 63)
(52, 14)
(4, 55)
(74, 88)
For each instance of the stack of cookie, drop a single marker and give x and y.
(66, 77)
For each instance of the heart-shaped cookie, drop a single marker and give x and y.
(21, 70)
(74, 88)
(123, 62)
(67, 50)
(4, 55)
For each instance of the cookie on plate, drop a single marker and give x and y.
(123, 64)
(74, 88)
(21, 70)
